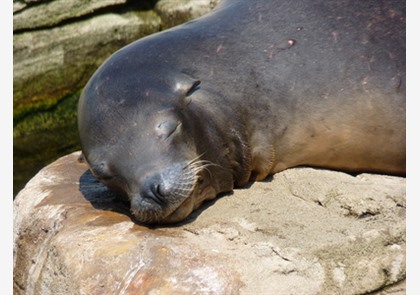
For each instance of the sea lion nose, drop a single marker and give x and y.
(151, 188)
(169, 186)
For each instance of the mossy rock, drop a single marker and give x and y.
(42, 137)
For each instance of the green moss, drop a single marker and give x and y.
(40, 93)
(42, 137)
(47, 116)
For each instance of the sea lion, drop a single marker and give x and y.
(248, 90)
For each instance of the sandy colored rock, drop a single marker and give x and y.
(51, 13)
(177, 12)
(305, 231)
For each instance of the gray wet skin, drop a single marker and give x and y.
(251, 89)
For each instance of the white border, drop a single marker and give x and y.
(6, 153)
(413, 148)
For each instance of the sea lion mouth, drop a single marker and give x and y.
(171, 195)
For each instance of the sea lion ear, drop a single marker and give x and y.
(186, 88)
(194, 87)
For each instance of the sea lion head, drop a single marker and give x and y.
(140, 139)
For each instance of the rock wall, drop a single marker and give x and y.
(57, 45)
(305, 231)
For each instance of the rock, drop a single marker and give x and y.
(49, 64)
(48, 14)
(174, 13)
(42, 138)
(19, 5)
(305, 231)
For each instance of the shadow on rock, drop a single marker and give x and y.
(102, 198)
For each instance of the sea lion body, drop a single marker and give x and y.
(248, 90)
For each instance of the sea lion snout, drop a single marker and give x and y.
(162, 187)
(161, 193)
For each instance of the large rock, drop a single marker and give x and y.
(305, 231)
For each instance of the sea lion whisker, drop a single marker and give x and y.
(207, 163)
(183, 192)
(187, 182)
(203, 164)
(203, 168)
(194, 160)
